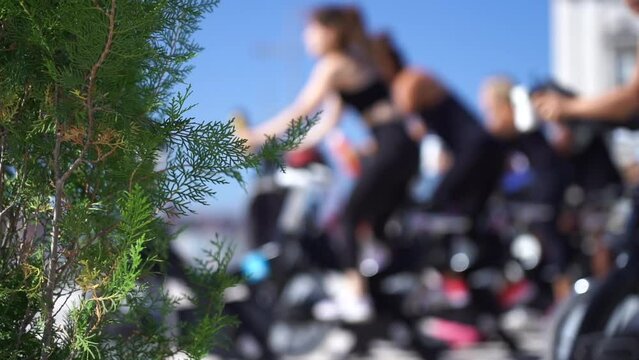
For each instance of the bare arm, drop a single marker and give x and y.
(331, 114)
(316, 89)
(616, 105)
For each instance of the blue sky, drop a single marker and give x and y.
(254, 58)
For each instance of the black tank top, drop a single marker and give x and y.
(550, 170)
(455, 124)
(363, 99)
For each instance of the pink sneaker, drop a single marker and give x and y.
(456, 335)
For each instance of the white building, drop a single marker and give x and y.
(594, 48)
(594, 43)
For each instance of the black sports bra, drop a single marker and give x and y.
(366, 97)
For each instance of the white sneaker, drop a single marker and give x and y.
(355, 309)
(326, 310)
(345, 308)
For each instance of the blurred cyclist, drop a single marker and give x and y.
(346, 73)
(477, 156)
(550, 176)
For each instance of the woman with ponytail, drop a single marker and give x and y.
(346, 74)
(477, 156)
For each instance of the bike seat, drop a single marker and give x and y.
(433, 223)
(529, 213)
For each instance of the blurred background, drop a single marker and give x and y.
(254, 60)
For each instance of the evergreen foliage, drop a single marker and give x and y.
(97, 151)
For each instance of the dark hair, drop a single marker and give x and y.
(552, 85)
(385, 43)
(348, 23)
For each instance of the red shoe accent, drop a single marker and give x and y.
(516, 293)
(455, 290)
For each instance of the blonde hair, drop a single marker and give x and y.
(499, 87)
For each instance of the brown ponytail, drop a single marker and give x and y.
(359, 38)
(387, 56)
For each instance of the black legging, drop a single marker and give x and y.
(556, 250)
(550, 179)
(478, 158)
(381, 188)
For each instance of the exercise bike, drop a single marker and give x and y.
(601, 320)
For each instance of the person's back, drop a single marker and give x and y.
(477, 157)
(458, 127)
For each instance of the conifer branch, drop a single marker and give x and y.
(60, 181)
(73, 92)
(89, 102)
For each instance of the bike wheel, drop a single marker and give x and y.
(566, 328)
(295, 331)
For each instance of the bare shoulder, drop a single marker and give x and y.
(341, 70)
(414, 89)
(332, 63)
(421, 75)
